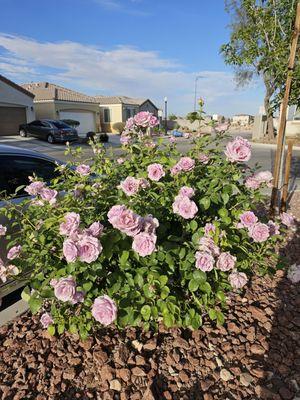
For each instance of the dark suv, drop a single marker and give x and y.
(50, 130)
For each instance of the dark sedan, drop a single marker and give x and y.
(50, 130)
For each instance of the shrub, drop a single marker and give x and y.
(119, 127)
(152, 236)
(103, 137)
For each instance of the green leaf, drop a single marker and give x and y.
(193, 225)
(163, 280)
(193, 285)
(51, 330)
(196, 321)
(60, 328)
(205, 202)
(73, 328)
(220, 318)
(138, 280)
(26, 294)
(199, 275)
(168, 320)
(124, 257)
(165, 292)
(225, 198)
(35, 304)
(146, 312)
(212, 314)
(223, 213)
(87, 286)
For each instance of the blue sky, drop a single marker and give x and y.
(138, 48)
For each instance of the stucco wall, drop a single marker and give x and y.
(45, 110)
(115, 116)
(11, 97)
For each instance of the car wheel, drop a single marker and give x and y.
(23, 133)
(50, 139)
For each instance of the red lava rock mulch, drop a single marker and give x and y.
(255, 355)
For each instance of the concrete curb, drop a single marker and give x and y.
(271, 145)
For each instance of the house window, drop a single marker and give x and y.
(128, 113)
(106, 115)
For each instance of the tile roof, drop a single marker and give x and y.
(119, 100)
(50, 91)
(15, 86)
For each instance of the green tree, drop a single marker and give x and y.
(259, 45)
(172, 117)
(197, 115)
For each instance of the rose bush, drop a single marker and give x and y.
(153, 236)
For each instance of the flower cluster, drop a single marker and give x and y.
(131, 185)
(258, 179)
(185, 164)
(38, 188)
(239, 150)
(8, 269)
(138, 126)
(183, 205)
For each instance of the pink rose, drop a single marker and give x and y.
(144, 244)
(294, 273)
(287, 219)
(237, 279)
(104, 310)
(153, 121)
(150, 145)
(65, 289)
(273, 228)
(125, 139)
(70, 250)
(129, 124)
(144, 184)
(172, 140)
(3, 272)
(264, 176)
(89, 248)
(204, 261)
(12, 270)
(150, 224)
(34, 188)
(184, 207)
(187, 191)
(259, 232)
(83, 169)
(71, 224)
(239, 150)
(14, 252)
(49, 195)
(175, 169)
(209, 228)
(203, 158)
(155, 172)
(226, 261)
(3, 230)
(142, 119)
(248, 219)
(130, 185)
(186, 163)
(120, 160)
(125, 220)
(208, 245)
(95, 229)
(46, 320)
(252, 183)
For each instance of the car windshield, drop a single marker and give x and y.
(60, 124)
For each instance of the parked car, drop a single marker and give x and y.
(16, 165)
(50, 130)
(176, 133)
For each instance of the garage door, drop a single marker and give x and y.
(10, 119)
(86, 119)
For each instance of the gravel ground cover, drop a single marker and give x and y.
(255, 355)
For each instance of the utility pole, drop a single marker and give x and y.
(166, 114)
(282, 119)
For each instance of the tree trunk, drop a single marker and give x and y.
(267, 103)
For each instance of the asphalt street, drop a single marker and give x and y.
(262, 154)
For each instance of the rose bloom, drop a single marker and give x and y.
(252, 183)
(95, 229)
(14, 252)
(155, 172)
(287, 219)
(209, 228)
(184, 207)
(172, 139)
(3, 230)
(125, 220)
(226, 261)
(12, 270)
(294, 273)
(70, 250)
(204, 261)
(175, 169)
(64, 289)
(237, 279)
(34, 188)
(187, 191)
(203, 158)
(142, 119)
(71, 224)
(83, 169)
(46, 320)
(144, 184)
(150, 145)
(120, 160)
(153, 121)
(125, 139)
(49, 195)
(150, 224)
(239, 150)
(89, 248)
(273, 228)
(104, 310)
(3, 272)
(248, 218)
(259, 232)
(129, 123)
(130, 185)
(264, 176)
(186, 163)
(208, 245)
(144, 244)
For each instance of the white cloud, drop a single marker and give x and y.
(123, 70)
(121, 6)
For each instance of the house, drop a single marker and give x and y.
(56, 102)
(242, 119)
(218, 118)
(16, 107)
(119, 108)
